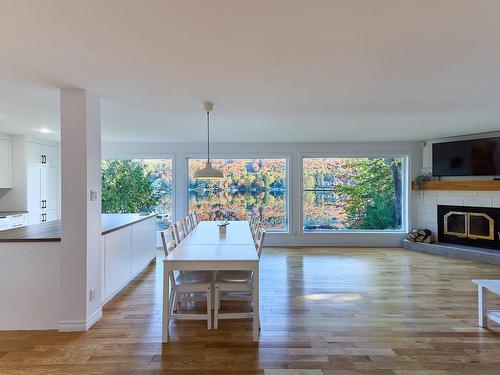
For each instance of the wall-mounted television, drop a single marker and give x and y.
(475, 157)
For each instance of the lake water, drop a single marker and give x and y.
(320, 212)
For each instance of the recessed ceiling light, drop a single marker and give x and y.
(45, 130)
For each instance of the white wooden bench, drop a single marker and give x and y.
(484, 285)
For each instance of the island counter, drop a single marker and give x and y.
(30, 266)
(51, 231)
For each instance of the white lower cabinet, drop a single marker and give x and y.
(126, 252)
(13, 221)
(118, 260)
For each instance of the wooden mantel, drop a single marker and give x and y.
(485, 185)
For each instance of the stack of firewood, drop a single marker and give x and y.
(420, 235)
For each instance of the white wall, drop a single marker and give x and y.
(29, 285)
(81, 254)
(294, 152)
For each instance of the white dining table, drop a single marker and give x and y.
(204, 249)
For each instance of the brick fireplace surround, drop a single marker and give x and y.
(427, 202)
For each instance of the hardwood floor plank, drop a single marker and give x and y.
(324, 311)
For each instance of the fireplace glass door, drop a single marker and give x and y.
(455, 223)
(481, 226)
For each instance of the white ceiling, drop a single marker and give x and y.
(277, 70)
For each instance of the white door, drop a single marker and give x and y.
(35, 218)
(50, 155)
(51, 215)
(49, 188)
(53, 186)
(5, 163)
(34, 189)
(34, 153)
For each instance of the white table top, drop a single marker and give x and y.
(213, 253)
(207, 232)
(490, 284)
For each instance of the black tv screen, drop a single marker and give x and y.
(476, 157)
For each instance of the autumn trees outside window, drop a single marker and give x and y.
(353, 193)
(138, 186)
(341, 193)
(248, 184)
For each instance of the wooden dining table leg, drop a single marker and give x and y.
(256, 308)
(166, 301)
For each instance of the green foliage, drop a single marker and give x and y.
(373, 194)
(126, 187)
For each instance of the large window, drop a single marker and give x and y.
(353, 193)
(138, 186)
(249, 185)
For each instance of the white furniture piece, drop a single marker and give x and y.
(484, 285)
(42, 183)
(236, 281)
(215, 254)
(126, 253)
(185, 283)
(180, 231)
(13, 221)
(207, 232)
(5, 163)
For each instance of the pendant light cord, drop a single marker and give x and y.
(208, 137)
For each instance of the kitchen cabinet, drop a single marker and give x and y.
(42, 154)
(5, 163)
(13, 221)
(42, 185)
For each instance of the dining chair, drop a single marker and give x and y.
(194, 219)
(236, 281)
(168, 239)
(179, 231)
(255, 227)
(252, 219)
(188, 224)
(183, 285)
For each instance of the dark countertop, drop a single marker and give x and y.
(11, 213)
(51, 231)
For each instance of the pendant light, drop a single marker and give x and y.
(208, 172)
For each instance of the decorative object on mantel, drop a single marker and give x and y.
(421, 235)
(222, 227)
(208, 172)
(420, 181)
(464, 185)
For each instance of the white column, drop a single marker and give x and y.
(80, 210)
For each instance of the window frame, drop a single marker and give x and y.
(286, 156)
(145, 156)
(404, 191)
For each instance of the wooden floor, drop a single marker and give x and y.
(324, 311)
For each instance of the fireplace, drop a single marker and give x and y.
(474, 226)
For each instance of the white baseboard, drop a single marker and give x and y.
(80, 325)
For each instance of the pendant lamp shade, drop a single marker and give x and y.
(208, 172)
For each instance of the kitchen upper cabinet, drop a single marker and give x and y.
(49, 182)
(5, 163)
(42, 187)
(42, 154)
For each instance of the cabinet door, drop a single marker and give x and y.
(35, 218)
(34, 153)
(5, 163)
(50, 154)
(118, 260)
(42, 154)
(49, 187)
(51, 215)
(34, 188)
